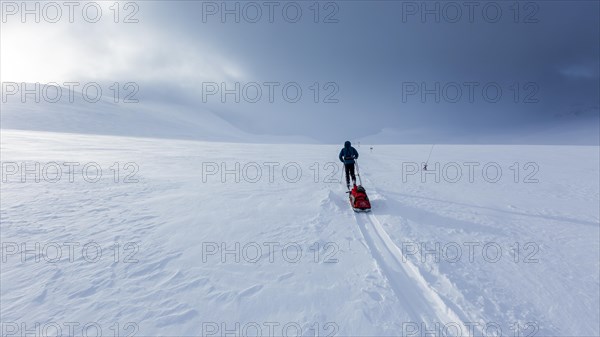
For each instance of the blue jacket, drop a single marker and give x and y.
(348, 154)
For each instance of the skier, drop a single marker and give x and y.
(347, 156)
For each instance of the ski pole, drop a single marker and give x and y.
(429, 156)
(358, 172)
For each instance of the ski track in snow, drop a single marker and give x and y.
(405, 279)
(408, 284)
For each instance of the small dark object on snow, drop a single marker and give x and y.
(425, 167)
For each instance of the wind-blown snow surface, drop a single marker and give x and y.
(356, 275)
(138, 120)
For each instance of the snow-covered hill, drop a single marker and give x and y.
(174, 239)
(74, 113)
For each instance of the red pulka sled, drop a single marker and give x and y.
(358, 196)
(359, 199)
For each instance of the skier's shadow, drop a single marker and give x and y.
(410, 209)
(394, 207)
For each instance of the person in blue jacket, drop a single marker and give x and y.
(347, 156)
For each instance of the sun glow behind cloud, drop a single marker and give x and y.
(30, 54)
(43, 52)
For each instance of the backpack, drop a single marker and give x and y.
(348, 156)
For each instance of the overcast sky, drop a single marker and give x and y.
(371, 60)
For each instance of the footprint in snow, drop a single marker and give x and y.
(374, 295)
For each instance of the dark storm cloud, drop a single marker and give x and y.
(542, 55)
(367, 58)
